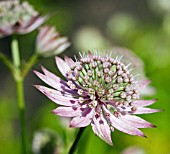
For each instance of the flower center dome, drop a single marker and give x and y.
(102, 79)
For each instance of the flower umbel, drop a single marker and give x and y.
(99, 91)
(49, 42)
(20, 18)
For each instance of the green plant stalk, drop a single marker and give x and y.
(20, 92)
(74, 146)
(29, 64)
(7, 63)
(21, 106)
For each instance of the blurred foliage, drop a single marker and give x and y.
(143, 27)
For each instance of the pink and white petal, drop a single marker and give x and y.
(126, 128)
(5, 31)
(64, 85)
(52, 76)
(55, 84)
(50, 34)
(144, 110)
(82, 121)
(90, 55)
(69, 61)
(57, 97)
(96, 128)
(105, 130)
(43, 37)
(148, 91)
(144, 102)
(42, 33)
(67, 111)
(61, 48)
(101, 129)
(62, 66)
(142, 84)
(119, 124)
(33, 24)
(56, 92)
(137, 121)
(53, 43)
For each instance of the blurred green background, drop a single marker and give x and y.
(142, 26)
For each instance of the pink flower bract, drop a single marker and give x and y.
(99, 91)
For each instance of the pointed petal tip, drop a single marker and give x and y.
(66, 57)
(33, 85)
(143, 83)
(111, 144)
(53, 111)
(57, 58)
(147, 81)
(159, 110)
(69, 61)
(72, 126)
(154, 126)
(155, 100)
(90, 54)
(151, 126)
(141, 134)
(62, 66)
(42, 67)
(147, 111)
(36, 73)
(36, 86)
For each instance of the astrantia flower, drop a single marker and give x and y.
(99, 91)
(18, 18)
(49, 42)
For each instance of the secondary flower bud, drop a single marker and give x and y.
(49, 42)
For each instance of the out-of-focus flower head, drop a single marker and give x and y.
(133, 150)
(19, 18)
(49, 42)
(101, 91)
(46, 141)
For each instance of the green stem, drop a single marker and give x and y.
(15, 53)
(21, 107)
(7, 62)
(20, 92)
(73, 147)
(29, 64)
